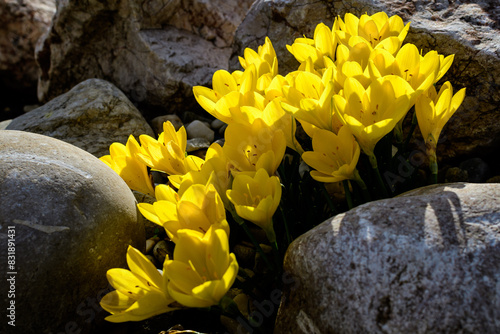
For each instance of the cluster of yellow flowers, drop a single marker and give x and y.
(355, 84)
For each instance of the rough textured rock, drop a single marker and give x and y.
(74, 219)
(468, 29)
(137, 46)
(214, 20)
(91, 116)
(22, 23)
(425, 262)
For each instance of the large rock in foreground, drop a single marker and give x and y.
(468, 29)
(424, 262)
(92, 115)
(73, 219)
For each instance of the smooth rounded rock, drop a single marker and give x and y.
(92, 115)
(73, 219)
(427, 261)
(198, 129)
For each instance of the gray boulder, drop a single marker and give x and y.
(92, 115)
(22, 23)
(73, 219)
(424, 262)
(154, 51)
(468, 29)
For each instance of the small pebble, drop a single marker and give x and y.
(150, 243)
(162, 249)
(198, 129)
(245, 255)
(455, 174)
(157, 122)
(242, 302)
(195, 144)
(217, 124)
(494, 179)
(222, 130)
(220, 141)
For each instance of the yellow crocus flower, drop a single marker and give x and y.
(334, 157)
(168, 153)
(141, 292)
(444, 65)
(197, 208)
(167, 198)
(211, 100)
(256, 199)
(323, 45)
(123, 160)
(215, 171)
(202, 270)
(309, 100)
(377, 31)
(420, 71)
(254, 146)
(433, 110)
(372, 113)
(264, 59)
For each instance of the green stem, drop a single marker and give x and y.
(430, 144)
(433, 165)
(244, 226)
(380, 182)
(277, 260)
(348, 196)
(282, 174)
(414, 123)
(285, 222)
(398, 133)
(328, 199)
(362, 185)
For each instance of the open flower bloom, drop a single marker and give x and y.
(141, 292)
(197, 209)
(334, 158)
(322, 45)
(256, 199)
(372, 113)
(212, 100)
(202, 270)
(309, 100)
(255, 146)
(230, 95)
(377, 31)
(168, 153)
(123, 160)
(265, 62)
(419, 71)
(167, 198)
(434, 110)
(215, 171)
(234, 90)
